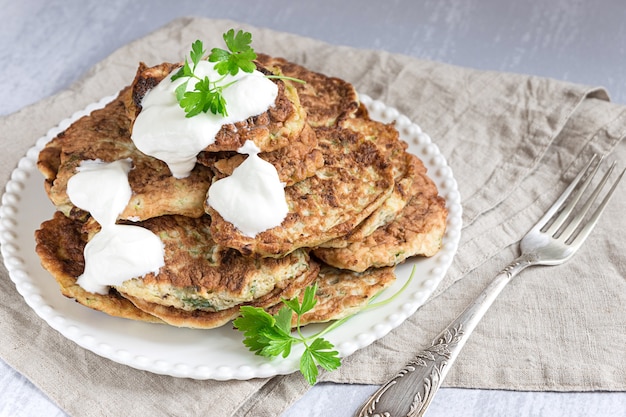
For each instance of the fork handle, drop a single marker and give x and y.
(410, 392)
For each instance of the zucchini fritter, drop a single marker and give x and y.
(60, 242)
(105, 135)
(359, 204)
(417, 230)
(276, 128)
(354, 181)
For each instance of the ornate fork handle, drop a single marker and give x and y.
(551, 241)
(410, 391)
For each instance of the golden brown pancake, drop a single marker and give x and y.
(384, 135)
(354, 181)
(105, 135)
(403, 192)
(202, 275)
(198, 277)
(59, 244)
(341, 293)
(279, 126)
(293, 163)
(405, 168)
(201, 319)
(327, 100)
(417, 230)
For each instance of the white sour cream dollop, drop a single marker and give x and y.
(252, 198)
(117, 252)
(162, 131)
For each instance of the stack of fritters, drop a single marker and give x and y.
(358, 205)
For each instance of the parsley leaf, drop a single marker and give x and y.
(308, 368)
(307, 304)
(197, 53)
(207, 95)
(271, 335)
(323, 353)
(283, 320)
(240, 54)
(203, 98)
(184, 71)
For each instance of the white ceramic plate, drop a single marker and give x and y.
(204, 354)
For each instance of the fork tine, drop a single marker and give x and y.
(582, 235)
(559, 202)
(575, 222)
(567, 209)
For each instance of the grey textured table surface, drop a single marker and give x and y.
(50, 44)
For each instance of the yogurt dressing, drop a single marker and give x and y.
(163, 131)
(117, 252)
(252, 198)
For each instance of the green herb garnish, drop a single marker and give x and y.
(207, 95)
(240, 54)
(270, 335)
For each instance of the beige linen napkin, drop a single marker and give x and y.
(512, 141)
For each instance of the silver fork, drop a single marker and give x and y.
(552, 241)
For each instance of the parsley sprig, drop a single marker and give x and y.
(240, 54)
(271, 335)
(207, 95)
